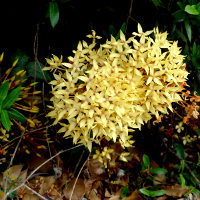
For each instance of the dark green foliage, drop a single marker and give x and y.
(53, 13)
(151, 193)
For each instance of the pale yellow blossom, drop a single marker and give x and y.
(104, 91)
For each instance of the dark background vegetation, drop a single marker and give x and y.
(20, 21)
(26, 33)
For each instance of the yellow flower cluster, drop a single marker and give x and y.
(103, 91)
(103, 156)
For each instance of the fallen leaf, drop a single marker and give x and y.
(46, 184)
(14, 172)
(159, 178)
(34, 161)
(134, 196)
(162, 197)
(78, 192)
(96, 168)
(176, 190)
(30, 197)
(91, 184)
(21, 179)
(115, 197)
(93, 195)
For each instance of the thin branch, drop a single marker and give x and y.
(129, 15)
(32, 173)
(78, 177)
(75, 169)
(11, 162)
(34, 192)
(32, 131)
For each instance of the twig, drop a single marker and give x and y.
(31, 174)
(34, 192)
(35, 51)
(129, 15)
(78, 162)
(11, 161)
(77, 178)
(32, 131)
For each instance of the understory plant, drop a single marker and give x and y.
(15, 103)
(106, 91)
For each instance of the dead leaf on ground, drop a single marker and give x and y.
(134, 196)
(91, 184)
(162, 197)
(176, 190)
(30, 197)
(46, 184)
(14, 172)
(79, 189)
(93, 195)
(21, 179)
(36, 161)
(95, 168)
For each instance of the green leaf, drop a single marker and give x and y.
(40, 74)
(11, 98)
(179, 16)
(181, 5)
(191, 9)
(182, 166)
(22, 57)
(5, 120)
(146, 161)
(123, 27)
(188, 30)
(158, 171)
(151, 193)
(198, 7)
(181, 179)
(196, 192)
(181, 35)
(53, 13)
(180, 151)
(16, 115)
(157, 2)
(3, 92)
(194, 49)
(124, 191)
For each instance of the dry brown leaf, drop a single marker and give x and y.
(95, 168)
(62, 180)
(93, 195)
(79, 189)
(124, 180)
(115, 197)
(14, 172)
(90, 185)
(134, 196)
(176, 190)
(160, 178)
(162, 197)
(34, 161)
(30, 197)
(22, 178)
(46, 184)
